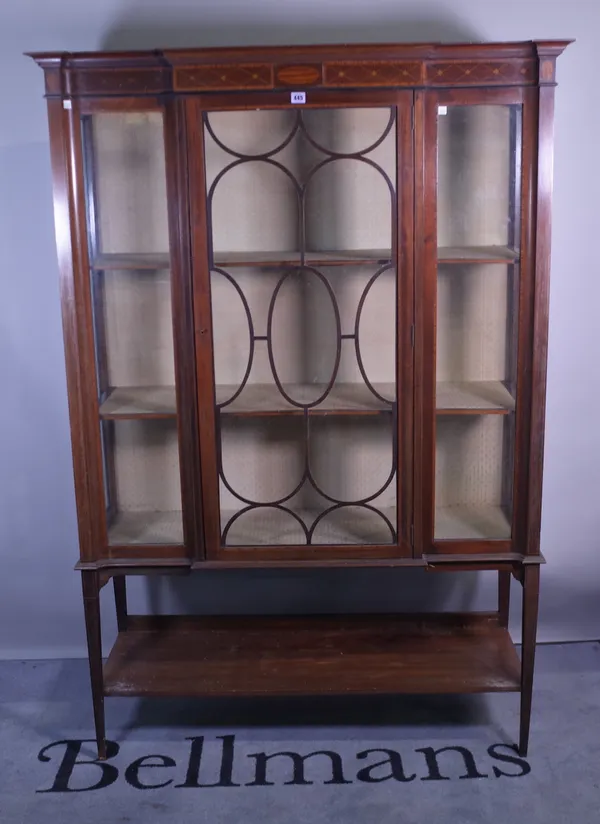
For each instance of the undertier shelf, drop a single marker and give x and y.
(336, 655)
(146, 528)
(471, 523)
(340, 257)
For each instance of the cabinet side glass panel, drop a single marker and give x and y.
(303, 288)
(479, 159)
(130, 281)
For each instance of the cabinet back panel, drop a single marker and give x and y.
(472, 323)
(474, 173)
(129, 182)
(146, 460)
(469, 459)
(138, 327)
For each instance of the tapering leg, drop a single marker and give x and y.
(120, 601)
(91, 603)
(503, 597)
(531, 592)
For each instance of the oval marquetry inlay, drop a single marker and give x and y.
(304, 75)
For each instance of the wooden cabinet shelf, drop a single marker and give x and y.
(117, 261)
(349, 257)
(256, 400)
(351, 526)
(477, 254)
(263, 399)
(324, 655)
(139, 402)
(475, 522)
(145, 528)
(473, 398)
(446, 254)
(264, 260)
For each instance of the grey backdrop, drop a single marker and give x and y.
(40, 604)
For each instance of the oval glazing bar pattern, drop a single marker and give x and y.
(334, 497)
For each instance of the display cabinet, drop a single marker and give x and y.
(305, 300)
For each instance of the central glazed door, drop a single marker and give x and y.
(303, 275)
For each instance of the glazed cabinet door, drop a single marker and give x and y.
(302, 259)
(474, 295)
(135, 271)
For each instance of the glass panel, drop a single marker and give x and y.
(303, 290)
(130, 281)
(479, 150)
(143, 477)
(133, 309)
(126, 152)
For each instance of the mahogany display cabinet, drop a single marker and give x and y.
(305, 308)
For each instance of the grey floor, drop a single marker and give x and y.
(44, 704)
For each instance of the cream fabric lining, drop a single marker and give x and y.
(131, 194)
